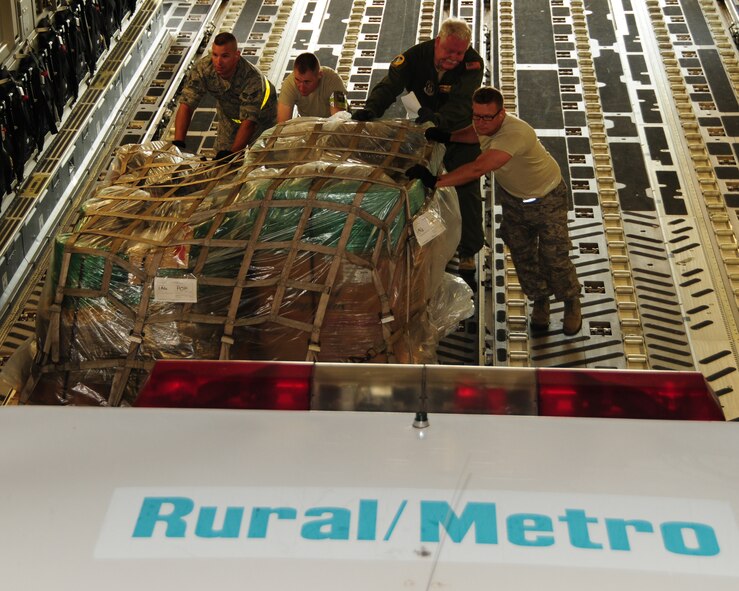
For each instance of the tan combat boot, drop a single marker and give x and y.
(540, 315)
(573, 317)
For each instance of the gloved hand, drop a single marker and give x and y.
(363, 115)
(179, 143)
(421, 172)
(437, 134)
(425, 114)
(223, 154)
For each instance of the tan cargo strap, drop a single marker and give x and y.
(108, 231)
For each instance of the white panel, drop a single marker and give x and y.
(72, 497)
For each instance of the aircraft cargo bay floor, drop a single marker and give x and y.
(637, 101)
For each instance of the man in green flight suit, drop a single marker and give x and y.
(442, 73)
(246, 101)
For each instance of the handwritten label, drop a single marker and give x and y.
(176, 289)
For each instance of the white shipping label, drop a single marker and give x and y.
(176, 289)
(428, 226)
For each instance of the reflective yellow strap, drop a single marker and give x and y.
(266, 93)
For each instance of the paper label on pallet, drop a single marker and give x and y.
(176, 289)
(428, 226)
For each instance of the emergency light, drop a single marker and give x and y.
(275, 385)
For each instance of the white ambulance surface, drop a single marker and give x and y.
(124, 499)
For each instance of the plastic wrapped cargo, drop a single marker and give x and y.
(305, 251)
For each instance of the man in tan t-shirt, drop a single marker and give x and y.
(316, 90)
(533, 197)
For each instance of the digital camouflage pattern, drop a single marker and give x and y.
(537, 236)
(242, 97)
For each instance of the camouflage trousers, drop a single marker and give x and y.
(536, 235)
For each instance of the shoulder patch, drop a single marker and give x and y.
(398, 61)
(472, 65)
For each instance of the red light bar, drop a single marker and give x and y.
(627, 394)
(480, 398)
(278, 385)
(228, 384)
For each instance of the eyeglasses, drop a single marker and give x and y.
(476, 117)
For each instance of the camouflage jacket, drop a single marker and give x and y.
(242, 97)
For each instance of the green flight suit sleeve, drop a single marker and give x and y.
(385, 92)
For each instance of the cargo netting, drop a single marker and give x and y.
(300, 249)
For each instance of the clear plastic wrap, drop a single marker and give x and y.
(17, 368)
(156, 164)
(303, 252)
(450, 304)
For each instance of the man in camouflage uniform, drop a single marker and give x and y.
(246, 102)
(442, 73)
(533, 197)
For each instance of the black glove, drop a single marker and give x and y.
(179, 143)
(363, 115)
(223, 154)
(437, 134)
(425, 114)
(421, 172)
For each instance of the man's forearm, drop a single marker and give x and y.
(182, 122)
(243, 135)
(284, 112)
(462, 175)
(488, 161)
